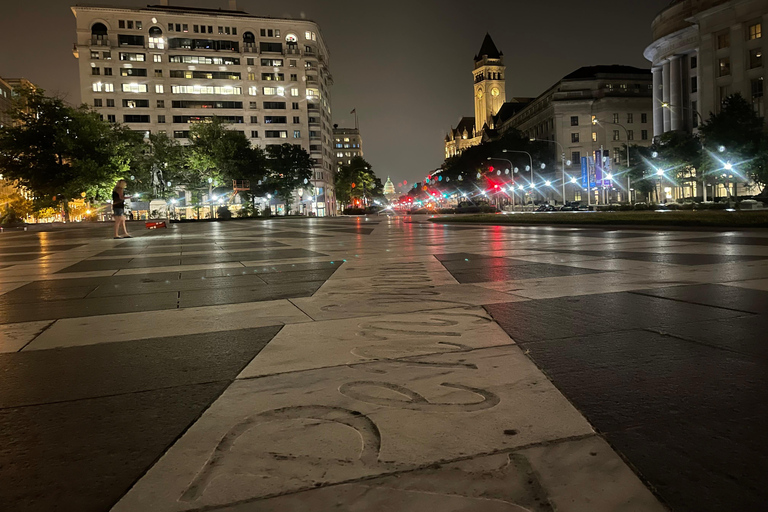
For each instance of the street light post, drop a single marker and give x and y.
(512, 173)
(626, 132)
(562, 160)
(530, 159)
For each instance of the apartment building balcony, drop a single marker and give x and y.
(292, 51)
(97, 41)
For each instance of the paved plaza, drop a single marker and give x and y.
(383, 364)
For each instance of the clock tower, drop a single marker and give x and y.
(490, 93)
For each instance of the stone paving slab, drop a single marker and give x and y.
(583, 475)
(587, 315)
(661, 400)
(48, 376)
(84, 455)
(342, 304)
(294, 431)
(73, 332)
(747, 300)
(357, 340)
(14, 337)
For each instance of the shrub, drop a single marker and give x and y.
(642, 206)
(354, 211)
(223, 213)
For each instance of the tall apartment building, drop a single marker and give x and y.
(162, 68)
(702, 52)
(347, 144)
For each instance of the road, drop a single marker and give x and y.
(382, 364)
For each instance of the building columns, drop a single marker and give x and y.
(675, 93)
(665, 96)
(658, 114)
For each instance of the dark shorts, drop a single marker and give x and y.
(118, 211)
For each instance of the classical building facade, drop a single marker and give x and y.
(592, 109)
(347, 144)
(702, 52)
(162, 68)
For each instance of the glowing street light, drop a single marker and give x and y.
(728, 166)
(548, 183)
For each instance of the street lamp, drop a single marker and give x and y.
(660, 174)
(595, 121)
(507, 172)
(530, 159)
(666, 105)
(562, 160)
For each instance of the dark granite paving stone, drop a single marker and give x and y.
(136, 251)
(278, 254)
(202, 259)
(40, 291)
(461, 256)
(93, 265)
(745, 335)
(731, 297)
(196, 298)
(482, 263)
(297, 276)
(82, 456)
(51, 310)
(359, 231)
(736, 240)
(46, 376)
(177, 285)
(586, 315)
(296, 267)
(39, 248)
(517, 272)
(689, 417)
(609, 234)
(672, 258)
(229, 246)
(20, 258)
(695, 467)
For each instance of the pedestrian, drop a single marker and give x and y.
(118, 209)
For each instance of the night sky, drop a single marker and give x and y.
(404, 65)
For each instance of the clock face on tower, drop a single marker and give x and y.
(479, 94)
(494, 92)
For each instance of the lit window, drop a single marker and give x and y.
(157, 58)
(109, 87)
(205, 89)
(594, 136)
(270, 91)
(296, 134)
(159, 88)
(755, 31)
(725, 66)
(294, 91)
(134, 88)
(253, 90)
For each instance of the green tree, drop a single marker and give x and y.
(161, 161)
(360, 173)
(289, 168)
(740, 132)
(54, 150)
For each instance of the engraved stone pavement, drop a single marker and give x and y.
(383, 364)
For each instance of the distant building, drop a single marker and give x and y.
(702, 52)
(617, 98)
(389, 190)
(490, 96)
(6, 101)
(161, 68)
(347, 144)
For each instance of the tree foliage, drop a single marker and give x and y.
(288, 168)
(740, 131)
(360, 173)
(54, 150)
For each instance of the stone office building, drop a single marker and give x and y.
(162, 68)
(593, 108)
(702, 52)
(347, 144)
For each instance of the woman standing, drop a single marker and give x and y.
(118, 209)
